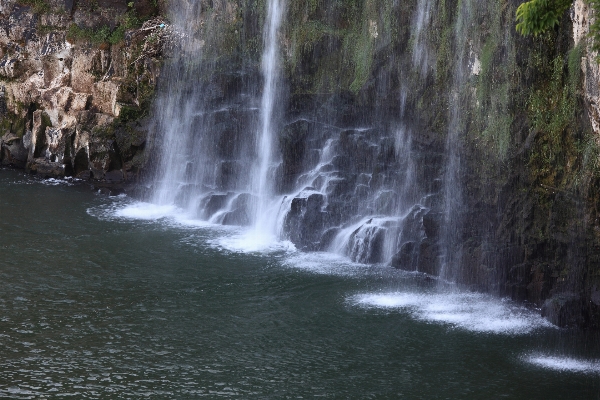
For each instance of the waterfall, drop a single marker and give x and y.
(181, 116)
(453, 203)
(421, 54)
(264, 224)
(395, 237)
(353, 189)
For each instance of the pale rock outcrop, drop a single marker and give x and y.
(582, 17)
(66, 91)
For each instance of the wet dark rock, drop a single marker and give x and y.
(362, 191)
(185, 194)
(68, 5)
(293, 146)
(241, 207)
(432, 222)
(366, 244)
(12, 151)
(595, 296)
(429, 257)
(228, 173)
(386, 202)
(46, 169)
(327, 238)
(84, 175)
(564, 310)
(114, 176)
(105, 191)
(304, 222)
(229, 128)
(214, 203)
(405, 258)
(341, 188)
(81, 163)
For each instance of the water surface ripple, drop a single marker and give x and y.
(98, 303)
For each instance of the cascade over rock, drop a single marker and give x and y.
(385, 141)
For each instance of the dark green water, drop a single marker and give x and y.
(94, 306)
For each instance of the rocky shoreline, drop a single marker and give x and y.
(73, 102)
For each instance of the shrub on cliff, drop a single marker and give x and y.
(537, 16)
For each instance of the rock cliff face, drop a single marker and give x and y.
(68, 94)
(425, 134)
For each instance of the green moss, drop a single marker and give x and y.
(442, 25)
(38, 6)
(551, 106)
(5, 124)
(495, 87)
(307, 35)
(104, 33)
(106, 132)
(95, 36)
(46, 122)
(334, 43)
(561, 148)
(360, 45)
(12, 123)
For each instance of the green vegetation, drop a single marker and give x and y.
(340, 38)
(595, 27)
(12, 123)
(38, 6)
(360, 45)
(537, 16)
(105, 34)
(494, 86)
(552, 108)
(95, 36)
(565, 153)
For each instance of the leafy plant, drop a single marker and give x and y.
(535, 17)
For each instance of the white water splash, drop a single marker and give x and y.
(124, 209)
(564, 364)
(247, 241)
(146, 211)
(67, 181)
(470, 311)
(323, 263)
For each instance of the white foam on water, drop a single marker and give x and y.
(325, 263)
(470, 311)
(146, 211)
(67, 181)
(123, 208)
(564, 364)
(233, 238)
(251, 241)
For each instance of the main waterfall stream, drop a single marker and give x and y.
(106, 297)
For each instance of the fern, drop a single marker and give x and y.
(535, 17)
